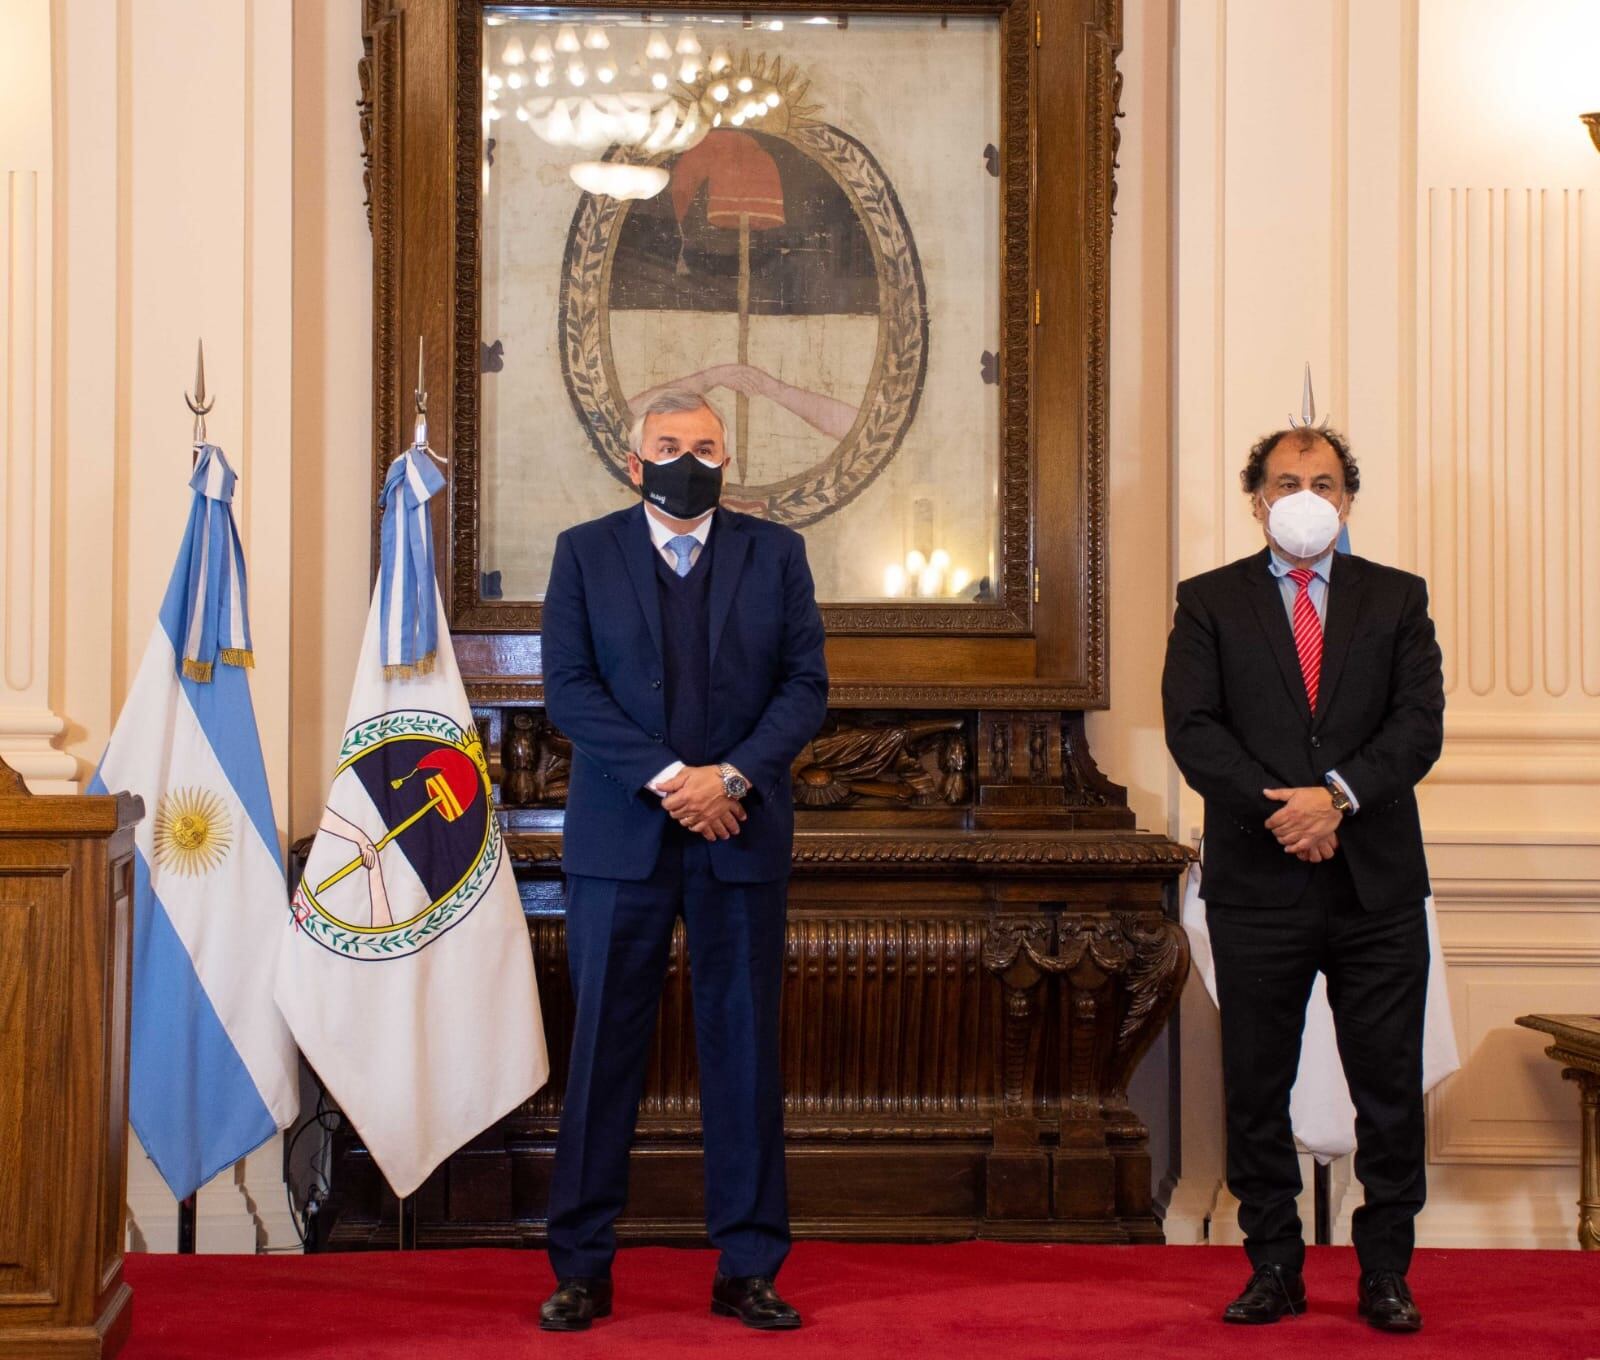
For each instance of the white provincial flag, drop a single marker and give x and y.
(1320, 1108)
(407, 975)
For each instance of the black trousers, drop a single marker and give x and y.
(1376, 964)
(618, 936)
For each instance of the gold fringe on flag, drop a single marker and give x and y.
(424, 666)
(201, 671)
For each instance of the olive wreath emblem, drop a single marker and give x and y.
(900, 365)
(407, 937)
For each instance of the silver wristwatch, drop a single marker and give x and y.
(734, 784)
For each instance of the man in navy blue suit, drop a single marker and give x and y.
(683, 658)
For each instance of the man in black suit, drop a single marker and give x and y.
(1304, 701)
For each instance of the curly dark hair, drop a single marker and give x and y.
(1254, 474)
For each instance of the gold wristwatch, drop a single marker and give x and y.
(734, 784)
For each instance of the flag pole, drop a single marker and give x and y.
(188, 1210)
(1322, 1197)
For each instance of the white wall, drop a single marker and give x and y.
(170, 170)
(29, 720)
(1400, 192)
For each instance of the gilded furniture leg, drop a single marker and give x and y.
(1589, 1142)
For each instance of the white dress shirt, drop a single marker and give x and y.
(661, 535)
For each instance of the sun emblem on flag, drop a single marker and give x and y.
(193, 832)
(408, 843)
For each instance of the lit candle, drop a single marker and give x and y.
(894, 581)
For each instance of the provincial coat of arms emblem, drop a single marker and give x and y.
(781, 254)
(408, 844)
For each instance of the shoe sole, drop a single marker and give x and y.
(546, 1325)
(728, 1310)
(1262, 1321)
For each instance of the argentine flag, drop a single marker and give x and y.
(213, 1068)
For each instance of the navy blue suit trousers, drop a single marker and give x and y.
(618, 935)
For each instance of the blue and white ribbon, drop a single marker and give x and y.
(217, 624)
(409, 615)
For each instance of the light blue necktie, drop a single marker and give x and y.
(682, 547)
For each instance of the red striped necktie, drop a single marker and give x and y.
(1307, 633)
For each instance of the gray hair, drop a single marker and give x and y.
(669, 401)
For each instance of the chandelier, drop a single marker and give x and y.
(621, 95)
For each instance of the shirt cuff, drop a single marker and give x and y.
(665, 774)
(1337, 778)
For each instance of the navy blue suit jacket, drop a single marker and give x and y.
(603, 681)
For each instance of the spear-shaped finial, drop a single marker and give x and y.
(1308, 405)
(198, 403)
(421, 394)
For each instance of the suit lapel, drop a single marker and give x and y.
(1267, 600)
(727, 564)
(1344, 608)
(633, 537)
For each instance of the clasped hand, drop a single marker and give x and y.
(694, 799)
(1306, 826)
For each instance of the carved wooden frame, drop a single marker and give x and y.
(1043, 645)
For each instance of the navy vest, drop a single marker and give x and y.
(686, 653)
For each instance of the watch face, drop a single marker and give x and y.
(735, 785)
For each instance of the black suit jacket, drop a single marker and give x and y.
(1237, 723)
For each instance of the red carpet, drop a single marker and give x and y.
(964, 1300)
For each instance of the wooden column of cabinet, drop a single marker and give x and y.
(66, 922)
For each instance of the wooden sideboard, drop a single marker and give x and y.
(66, 922)
(966, 998)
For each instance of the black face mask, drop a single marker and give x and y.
(685, 488)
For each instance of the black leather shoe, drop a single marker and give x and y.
(575, 1304)
(1386, 1302)
(1273, 1291)
(753, 1300)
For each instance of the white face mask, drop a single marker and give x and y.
(1303, 524)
